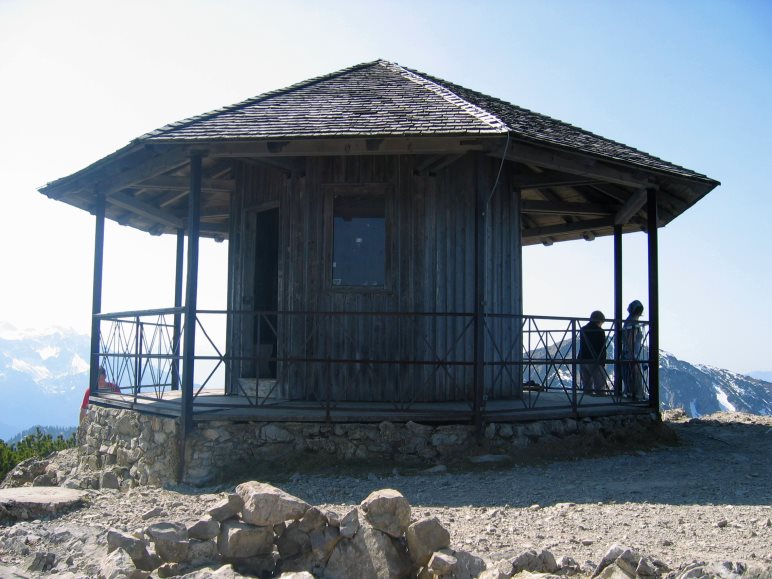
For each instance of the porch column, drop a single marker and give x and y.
(617, 310)
(177, 305)
(479, 290)
(96, 300)
(651, 210)
(191, 290)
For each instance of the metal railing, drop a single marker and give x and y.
(394, 361)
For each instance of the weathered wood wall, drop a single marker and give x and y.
(430, 270)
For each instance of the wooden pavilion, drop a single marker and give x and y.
(375, 218)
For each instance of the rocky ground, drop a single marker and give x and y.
(707, 497)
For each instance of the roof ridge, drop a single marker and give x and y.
(255, 99)
(431, 84)
(455, 86)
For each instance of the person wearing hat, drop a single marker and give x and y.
(592, 355)
(632, 353)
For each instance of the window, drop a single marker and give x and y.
(359, 240)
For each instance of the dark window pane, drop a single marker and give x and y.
(359, 241)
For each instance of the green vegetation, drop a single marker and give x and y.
(37, 444)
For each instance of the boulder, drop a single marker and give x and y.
(23, 503)
(212, 572)
(611, 555)
(239, 540)
(293, 542)
(227, 508)
(424, 537)
(312, 520)
(266, 505)
(203, 552)
(614, 571)
(468, 566)
(349, 524)
(136, 549)
(203, 529)
(388, 511)
(370, 553)
(118, 565)
(535, 562)
(170, 540)
(442, 563)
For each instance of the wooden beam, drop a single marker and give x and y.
(286, 165)
(157, 165)
(574, 163)
(575, 227)
(565, 208)
(183, 184)
(631, 207)
(146, 210)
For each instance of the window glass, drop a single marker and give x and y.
(359, 241)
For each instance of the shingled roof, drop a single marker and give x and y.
(572, 182)
(384, 99)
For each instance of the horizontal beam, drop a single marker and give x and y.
(574, 227)
(146, 210)
(565, 208)
(574, 164)
(353, 146)
(147, 170)
(183, 184)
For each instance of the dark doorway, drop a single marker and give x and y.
(266, 290)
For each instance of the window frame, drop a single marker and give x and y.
(333, 190)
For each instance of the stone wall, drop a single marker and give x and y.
(142, 449)
(135, 448)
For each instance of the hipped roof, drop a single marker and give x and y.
(375, 100)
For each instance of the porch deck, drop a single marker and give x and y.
(211, 405)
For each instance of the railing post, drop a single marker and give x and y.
(618, 310)
(137, 357)
(96, 300)
(479, 292)
(191, 291)
(574, 398)
(653, 222)
(177, 304)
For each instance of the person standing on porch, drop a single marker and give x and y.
(102, 386)
(632, 353)
(592, 355)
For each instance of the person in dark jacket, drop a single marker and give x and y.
(592, 355)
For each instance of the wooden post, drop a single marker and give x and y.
(481, 196)
(191, 290)
(177, 305)
(651, 209)
(618, 310)
(96, 300)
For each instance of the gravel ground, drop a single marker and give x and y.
(706, 498)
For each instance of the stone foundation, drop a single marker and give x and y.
(143, 449)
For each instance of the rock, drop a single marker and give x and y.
(40, 562)
(489, 458)
(118, 565)
(323, 541)
(349, 524)
(370, 553)
(494, 573)
(436, 469)
(628, 561)
(296, 575)
(312, 520)
(239, 540)
(170, 540)
(109, 480)
(388, 511)
(541, 562)
(135, 548)
(168, 570)
(614, 571)
(203, 529)
(24, 503)
(223, 572)
(646, 568)
(293, 542)
(227, 508)
(442, 563)
(424, 537)
(611, 555)
(266, 505)
(203, 552)
(152, 513)
(468, 566)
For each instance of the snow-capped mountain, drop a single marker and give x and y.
(43, 375)
(702, 389)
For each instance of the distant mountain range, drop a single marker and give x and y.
(43, 375)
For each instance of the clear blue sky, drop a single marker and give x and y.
(688, 81)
